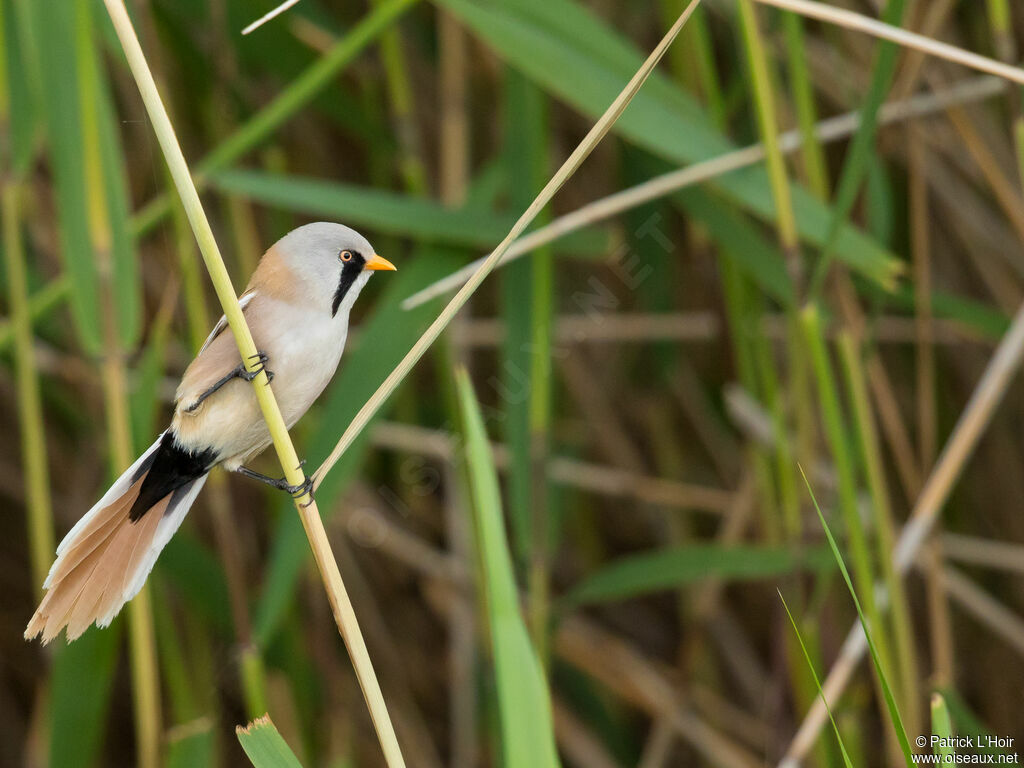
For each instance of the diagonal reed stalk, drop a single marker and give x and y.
(879, 29)
(341, 606)
(268, 16)
(585, 147)
(973, 420)
(826, 131)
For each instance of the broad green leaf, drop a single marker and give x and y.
(673, 568)
(981, 318)
(82, 681)
(969, 722)
(186, 668)
(16, 69)
(266, 747)
(387, 212)
(527, 728)
(125, 275)
(68, 88)
(942, 728)
(193, 750)
(576, 57)
(526, 159)
(198, 576)
(757, 257)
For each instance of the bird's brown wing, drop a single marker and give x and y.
(218, 356)
(222, 324)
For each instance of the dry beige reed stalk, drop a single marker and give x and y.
(972, 422)
(860, 23)
(585, 147)
(341, 605)
(269, 15)
(832, 129)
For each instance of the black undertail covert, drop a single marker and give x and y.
(170, 469)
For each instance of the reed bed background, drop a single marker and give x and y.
(804, 260)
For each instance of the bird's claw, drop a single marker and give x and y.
(260, 366)
(298, 491)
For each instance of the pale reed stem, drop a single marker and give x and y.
(341, 605)
(568, 168)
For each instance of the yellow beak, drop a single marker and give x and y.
(379, 262)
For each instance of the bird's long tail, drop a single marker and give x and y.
(104, 560)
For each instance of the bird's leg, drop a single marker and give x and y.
(238, 372)
(281, 483)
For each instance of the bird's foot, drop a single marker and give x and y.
(259, 367)
(303, 489)
(282, 484)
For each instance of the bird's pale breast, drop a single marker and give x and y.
(303, 347)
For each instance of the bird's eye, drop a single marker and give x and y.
(345, 255)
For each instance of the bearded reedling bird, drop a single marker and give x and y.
(297, 306)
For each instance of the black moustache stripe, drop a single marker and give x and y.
(349, 274)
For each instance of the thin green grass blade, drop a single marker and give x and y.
(673, 568)
(145, 400)
(890, 702)
(265, 747)
(817, 682)
(884, 540)
(526, 310)
(880, 202)
(70, 49)
(528, 738)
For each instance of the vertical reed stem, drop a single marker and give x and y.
(867, 439)
(341, 606)
(811, 151)
(142, 638)
(30, 410)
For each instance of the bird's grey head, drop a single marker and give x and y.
(334, 262)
